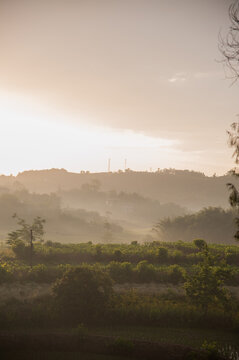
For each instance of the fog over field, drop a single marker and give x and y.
(119, 165)
(120, 206)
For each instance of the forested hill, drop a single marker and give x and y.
(191, 189)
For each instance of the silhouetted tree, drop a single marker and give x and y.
(234, 194)
(213, 224)
(229, 46)
(21, 240)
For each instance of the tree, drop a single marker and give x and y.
(229, 46)
(82, 294)
(200, 244)
(234, 194)
(205, 286)
(21, 240)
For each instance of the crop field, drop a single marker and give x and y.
(146, 291)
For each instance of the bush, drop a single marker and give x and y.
(82, 294)
(162, 254)
(4, 274)
(122, 347)
(146, 271)
(176, 274)
(41, 274)
(117, 255)
(120, 272)
(200, 244)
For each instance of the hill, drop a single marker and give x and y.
(189, 189)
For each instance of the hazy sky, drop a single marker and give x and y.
(82, 81)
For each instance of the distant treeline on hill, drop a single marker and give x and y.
(215, 225)
(128, 207)
(63, 225)
(189, 189)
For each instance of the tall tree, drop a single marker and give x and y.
(21, 240)
(234, 194)
(229, 45)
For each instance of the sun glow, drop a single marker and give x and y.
(34, 137)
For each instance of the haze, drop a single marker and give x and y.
(84, 81)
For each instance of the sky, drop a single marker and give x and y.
(82, 81)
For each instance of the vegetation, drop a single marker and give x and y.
(229, 46)
(234, 195)
(21, 240)
(111, 284)
(82, 294)
(63, 224)
(83, 286)
(189, 189)
(215, 225)
(205, 286)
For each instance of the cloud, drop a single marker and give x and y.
(178, 77)
(100, 63)
(208, 74)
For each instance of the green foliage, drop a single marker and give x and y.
(24, 232)
(234, 194)
(138, 263)
(178, 253)
(200, 244)
(214, 224)
(40, 273)
(176, 274)
(211, 349)
(4, 275)
(20, 239)
(98, 250)
(20, 249)
(120, 272)
(162, 254)
(122, 347)
(205, 286)
(117, 255)
(80, 329)
(146, 271)
(82, 294)
(155, 310)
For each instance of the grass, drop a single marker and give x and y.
(56, 356)
(181, 336)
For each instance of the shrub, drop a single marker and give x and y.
(122, 347)
(4, 274)
(120, 272)
(82, 294)
(162, 254)
(205, 286)
(200, 244)
(146, 271)
(176, 274)
(117, 255)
